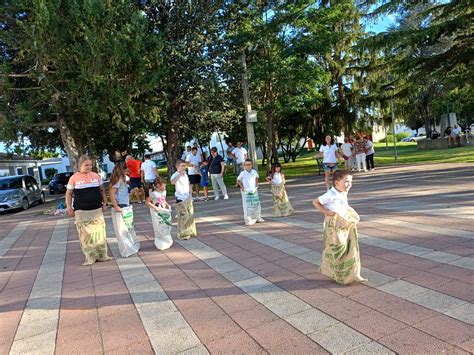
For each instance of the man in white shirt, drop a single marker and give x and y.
(186, 152)
(240, 154)
(457, 134)
(148, 173)
(193, 161)
(199, 150)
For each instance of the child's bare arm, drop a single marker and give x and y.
(322, 209)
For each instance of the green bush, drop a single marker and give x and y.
(400, 136)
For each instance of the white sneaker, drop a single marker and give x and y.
(217, 198)
(260, 220)
(226, 197)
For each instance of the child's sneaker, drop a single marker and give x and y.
(217, 197)
(260, 220)
(226, 197)
(206, 199)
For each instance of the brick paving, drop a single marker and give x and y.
(252, 290)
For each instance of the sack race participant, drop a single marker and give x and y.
(122, 212)
(341, 256)
(281, 204)
(160, 212)
(89, 204)
(248, 183)
(184, 202)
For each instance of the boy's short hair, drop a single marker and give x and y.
(194, 149)
(248, 161)
(147, 156)
(341, 174)
(214, 149)
(179, 162)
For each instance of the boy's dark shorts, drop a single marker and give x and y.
(135, 182)
(194, 179)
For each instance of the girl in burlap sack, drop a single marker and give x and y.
(341, 257)
(89, 204)
(281, 204)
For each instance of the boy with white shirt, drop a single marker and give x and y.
(184, 204)
(149, 174)
(193, 161)
(248, 183)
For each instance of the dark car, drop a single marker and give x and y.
(19, 192)
(59, 182)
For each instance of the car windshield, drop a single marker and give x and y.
(10, 183)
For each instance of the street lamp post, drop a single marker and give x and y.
(391, 89)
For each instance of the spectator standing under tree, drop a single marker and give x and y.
(194, 162)
(359, 149)
(217, 170)
(136, 189)
(199, 150)
(369, 153)
(186, 152)
(240, 155)
(148, 174)
(230, 156)
(328, 151)
(348, 154)
(204, 173)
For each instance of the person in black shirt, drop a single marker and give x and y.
(217, 169)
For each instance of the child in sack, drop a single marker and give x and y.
(184, 201)
(248, 183)
(281, 203)
(160, 212)
(341, 256)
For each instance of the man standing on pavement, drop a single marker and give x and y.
(217, 169)
(240, 154)
(193, 161)
(148, 174)
(136, 190)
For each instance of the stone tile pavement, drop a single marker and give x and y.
(238, 289)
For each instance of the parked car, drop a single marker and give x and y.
(58, 183)
(415, 138)
(19, 192)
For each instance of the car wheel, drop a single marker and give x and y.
(25, 204)
(42, 199)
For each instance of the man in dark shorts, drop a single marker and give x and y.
(193, 161)
(136, 189)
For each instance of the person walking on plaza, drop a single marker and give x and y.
(359, 151)
(194, 162)
(281, 203)
(217, 170)
(204, 173)
(340, 256)
(122, 212)
(149, 173)
(328, 151)
(90, 202)
(248, 183)
(369, 153)
(184, 202)
(348, 154)
(135, 175)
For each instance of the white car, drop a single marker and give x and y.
(418, 137)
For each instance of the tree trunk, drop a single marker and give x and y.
(222, 146)
(73, 150)
(173, 139)
(165, 146)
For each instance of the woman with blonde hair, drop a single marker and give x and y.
(89, 204)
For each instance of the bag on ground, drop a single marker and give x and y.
(123, 225)
(162, 228)
(252, 208)
(186, 225)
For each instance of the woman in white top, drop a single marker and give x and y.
(329, 153)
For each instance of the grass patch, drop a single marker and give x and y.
(407, 154)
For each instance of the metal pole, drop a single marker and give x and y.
(394, 135)
(248, 108)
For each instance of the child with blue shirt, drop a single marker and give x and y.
(204, 172)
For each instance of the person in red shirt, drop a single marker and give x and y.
(136, 189)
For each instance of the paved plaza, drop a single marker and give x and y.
(252, 290)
